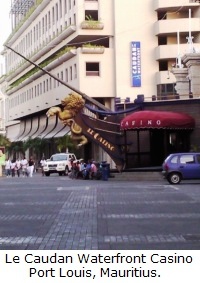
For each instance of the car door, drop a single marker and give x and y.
(197, 166)
(189, 166)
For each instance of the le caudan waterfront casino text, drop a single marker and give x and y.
(87, 258)
(86, 265)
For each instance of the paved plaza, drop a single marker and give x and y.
(58, 213)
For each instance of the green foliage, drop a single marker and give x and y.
(16, 148)
(89, 18)
(36, 145)
(91, 22)
(4, 141)
(28, 14)
(64, 143)
(89, 45)
(42, 65)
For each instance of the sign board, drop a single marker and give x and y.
(135, 64)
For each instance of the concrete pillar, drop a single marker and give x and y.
(192, 61)
(182, 81)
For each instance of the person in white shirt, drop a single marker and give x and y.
(18, 167)
(24, 164)
(8, 167)
(42, 164)
(30, 167)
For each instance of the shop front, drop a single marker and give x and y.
(152, 135)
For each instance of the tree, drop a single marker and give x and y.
(16, 148)
(65, 143)
(36, 145)
(4, 141)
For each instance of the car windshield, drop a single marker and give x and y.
(58, 157)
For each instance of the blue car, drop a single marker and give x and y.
(181, 166)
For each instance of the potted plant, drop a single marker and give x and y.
(89, 48)
(90, 23)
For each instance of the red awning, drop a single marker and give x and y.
(157, 120)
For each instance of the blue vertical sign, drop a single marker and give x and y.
(135, 64)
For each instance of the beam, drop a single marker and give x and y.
(86, 97)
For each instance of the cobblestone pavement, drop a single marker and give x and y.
(57, 213)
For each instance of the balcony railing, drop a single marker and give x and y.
(171, 4)
(172, 25)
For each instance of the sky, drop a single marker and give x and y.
(5, 23)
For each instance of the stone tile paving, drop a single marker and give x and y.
(97, 215)
(75, 226)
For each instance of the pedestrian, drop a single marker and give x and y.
(24, 164)
(12, 167)
(8, 167)
(93, 170)
(79, 169)
(30, 167)
(18, 167)
(87, 170)
(73, 169)
(42, 164)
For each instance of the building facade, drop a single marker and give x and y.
(103, 48)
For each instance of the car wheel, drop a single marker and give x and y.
(66, 171)
(174, 178)
(47, 174)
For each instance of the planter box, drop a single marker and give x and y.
(92, 25)
(92, 50)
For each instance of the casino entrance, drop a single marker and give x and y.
(150, 136)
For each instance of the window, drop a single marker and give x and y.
(92, 69)
(58, 83)
(162, 16)
(46, 23)
(166, 91)
(65, 6)
(174, 159)
(44, 87)
(92, 14)
(39, 29)
(50, 86)
(49, 19)
(163, 66)
(66, 75)
(53, 16)
(60, 8)
(34, 35)
(38, 91)
(187, 159)
(43, 25)
(162, 40)
(70, 73)
(75, 71)
(56, 12)
(47, 84)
